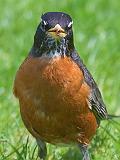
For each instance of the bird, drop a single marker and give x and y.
(60, 102)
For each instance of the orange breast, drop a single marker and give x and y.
(53, 100)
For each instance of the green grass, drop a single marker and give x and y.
(97, 39)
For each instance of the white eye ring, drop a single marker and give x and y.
(70, 24)
(45, 23)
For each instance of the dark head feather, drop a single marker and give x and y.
(43, 43)
(53, 18)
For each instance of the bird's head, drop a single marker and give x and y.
(54, 28)
(56, 24)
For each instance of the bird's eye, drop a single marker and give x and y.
(70, 24)
(44, 24)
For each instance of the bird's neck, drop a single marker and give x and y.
(45, 45)
(51, 47)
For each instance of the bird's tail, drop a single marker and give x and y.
(110, 116)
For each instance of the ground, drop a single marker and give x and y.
(97, 39)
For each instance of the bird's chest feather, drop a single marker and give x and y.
(50, 91)
(48, 79)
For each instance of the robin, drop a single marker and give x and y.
(59, 99)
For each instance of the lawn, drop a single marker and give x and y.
(97, 39)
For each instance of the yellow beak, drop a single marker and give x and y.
(57, 32)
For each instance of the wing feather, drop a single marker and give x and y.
(95, 98)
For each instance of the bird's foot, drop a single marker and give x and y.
(42, 149)
(85, 152)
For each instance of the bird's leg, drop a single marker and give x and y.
(42, 149)
(85, 152)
